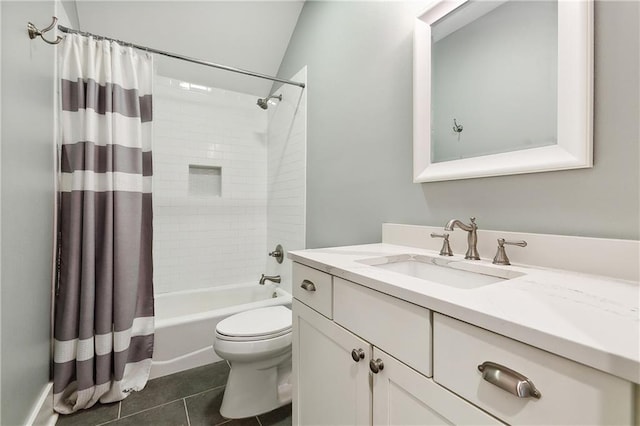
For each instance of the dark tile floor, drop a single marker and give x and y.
(188, 398)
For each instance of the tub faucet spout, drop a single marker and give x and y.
(272, 278)
(472, 237)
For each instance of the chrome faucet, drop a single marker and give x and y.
(272, 278)
(472, 237)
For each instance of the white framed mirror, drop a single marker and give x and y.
(520, 108)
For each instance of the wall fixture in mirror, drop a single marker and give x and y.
(502, 87)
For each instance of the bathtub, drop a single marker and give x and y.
(185, 322)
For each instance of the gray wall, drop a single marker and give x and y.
(359, 174)
(70, 12)
(27, 204)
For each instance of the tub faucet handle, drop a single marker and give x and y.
(446, 248)
(278, 253)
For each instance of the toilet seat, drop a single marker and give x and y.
(256, 324)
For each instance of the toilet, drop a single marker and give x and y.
(257, 344)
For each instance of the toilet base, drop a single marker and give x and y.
(254, 389)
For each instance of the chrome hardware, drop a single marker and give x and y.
(272, 278)
(35, 32)
(357, 354)
(376, 365)
(308, 285)
(446, 248)
(278, 253)
(264, 102)
(501, 255)
(508, 380)
(457, 128)
(472, 237)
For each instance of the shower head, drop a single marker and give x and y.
(264, 102)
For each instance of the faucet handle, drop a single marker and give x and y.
(446, 248)
(278, 253)
(501, 255)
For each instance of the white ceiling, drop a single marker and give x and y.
(251, 35)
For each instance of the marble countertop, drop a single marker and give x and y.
(590, 319)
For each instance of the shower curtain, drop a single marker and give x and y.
(103, 326)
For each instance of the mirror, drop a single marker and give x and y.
(502, 87)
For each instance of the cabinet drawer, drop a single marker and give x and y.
(400, 328)
(571, 393)
(313, 288)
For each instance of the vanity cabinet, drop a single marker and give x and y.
(362, 357)
(334, 360)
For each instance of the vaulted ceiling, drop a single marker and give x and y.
(252, 35)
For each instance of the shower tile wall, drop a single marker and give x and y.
(286, 190)
(203, 240)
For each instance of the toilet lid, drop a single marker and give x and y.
(257, 323)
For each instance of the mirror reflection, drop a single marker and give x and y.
(494, 73)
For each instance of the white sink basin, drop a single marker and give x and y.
(464, 275)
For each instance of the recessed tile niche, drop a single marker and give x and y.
(205, 181)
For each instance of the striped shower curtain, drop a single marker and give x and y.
(103, 331)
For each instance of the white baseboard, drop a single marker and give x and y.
(42, 413)
(600, 256)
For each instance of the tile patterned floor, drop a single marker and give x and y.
(188, 398)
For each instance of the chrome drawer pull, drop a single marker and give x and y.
(357, 354)
(509, 380)
(376, 365)
(308, 285)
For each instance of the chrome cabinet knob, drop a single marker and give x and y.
(357, 354)
(376, 365)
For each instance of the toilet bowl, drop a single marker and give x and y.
(257, 345)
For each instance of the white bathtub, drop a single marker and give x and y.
(185, 322)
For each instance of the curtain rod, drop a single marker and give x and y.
(182, 57)
(35, 32)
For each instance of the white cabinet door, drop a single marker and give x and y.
(402, 396)
(335, 387)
